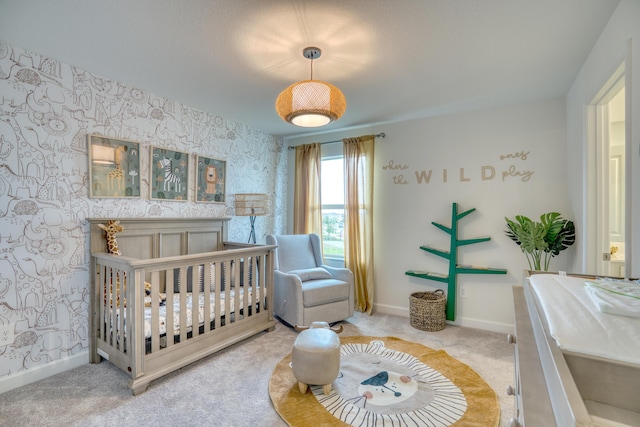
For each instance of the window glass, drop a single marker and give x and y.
(332, 176)
(332, 196)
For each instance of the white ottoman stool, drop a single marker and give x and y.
(315, 358)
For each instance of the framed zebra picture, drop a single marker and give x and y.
(210, 180)
(169, 176)
(114, 167)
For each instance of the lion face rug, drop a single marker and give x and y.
(388, 381)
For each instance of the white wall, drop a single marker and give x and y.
(619, 43)
(466, 146)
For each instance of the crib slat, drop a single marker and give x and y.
(254, 282)
(245, 285)
(195, 302)
(120, 306)
(117, 306)
(262, 280)
(102, 295)
(206, 284)
(255, 285)
(113, 304)
(135, 327)
(169, 290)
(183, 304)
(267, 284)
(108, 306)
(155, 311)
(241, 288)
(227, 291)
(217, 290)
(235, 277)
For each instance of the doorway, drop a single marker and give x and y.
(610, 147)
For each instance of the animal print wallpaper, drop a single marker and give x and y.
(47, 109)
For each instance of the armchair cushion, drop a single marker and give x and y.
(325, 291)
(315, 273)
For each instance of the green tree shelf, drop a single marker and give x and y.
(452, 256)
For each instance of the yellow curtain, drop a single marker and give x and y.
(358, 242)
(307, 208)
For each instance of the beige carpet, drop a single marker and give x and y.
(386, 380)
(229, 388)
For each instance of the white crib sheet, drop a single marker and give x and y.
(578, 326)
(162, 318)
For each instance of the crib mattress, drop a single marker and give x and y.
(578, 326)
(162, 317)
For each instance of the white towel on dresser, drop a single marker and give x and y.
(615, 297)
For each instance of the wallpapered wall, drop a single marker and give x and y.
(47, 108)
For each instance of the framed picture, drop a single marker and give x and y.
(169, 174)
(114, 167)
(210, 180)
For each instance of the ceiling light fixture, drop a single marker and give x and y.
(311, 103)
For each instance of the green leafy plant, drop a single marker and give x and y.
(541, 241)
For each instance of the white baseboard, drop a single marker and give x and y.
(45, 371)
(391, 309)
(486, 325)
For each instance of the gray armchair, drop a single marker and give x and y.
(305, 290)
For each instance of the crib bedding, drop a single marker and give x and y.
(577, 325)
(162, 311)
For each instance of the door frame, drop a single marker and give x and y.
(598, 234)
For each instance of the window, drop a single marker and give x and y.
(332, 196)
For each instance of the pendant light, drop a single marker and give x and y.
(311, 103)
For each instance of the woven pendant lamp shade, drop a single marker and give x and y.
(311, 103)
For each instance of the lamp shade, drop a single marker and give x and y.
(311, 103)
(251, 204)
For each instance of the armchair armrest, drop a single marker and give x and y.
(287, 281)
(340, 273)
(287, 292)
(346, 275)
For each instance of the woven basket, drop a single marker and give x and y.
(427, 310)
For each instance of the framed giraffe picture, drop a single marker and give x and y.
(210, 180)
(114, 167)
(169, 177)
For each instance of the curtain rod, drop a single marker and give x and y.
(378, 135)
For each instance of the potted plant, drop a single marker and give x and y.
(541, 241)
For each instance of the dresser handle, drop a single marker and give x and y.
(514, 423)
(511, 339)
(510, 391)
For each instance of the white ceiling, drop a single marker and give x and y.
(394, 60)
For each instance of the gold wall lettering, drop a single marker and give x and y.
(392, 166)
(423, 176)
(513, 172)
(487, 172)
(399, 179)
(522, 155)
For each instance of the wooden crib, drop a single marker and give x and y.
(178, 292)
